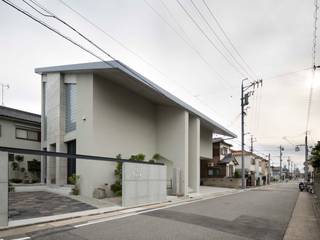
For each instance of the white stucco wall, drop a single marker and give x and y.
(205, 142)
(172, 139)
(118, 121)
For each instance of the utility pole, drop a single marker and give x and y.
(281, 149)
(246, 92)
(269, 168)
(306, 167)
(3, 86)
(252, 140)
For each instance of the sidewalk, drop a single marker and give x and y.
(303, 224)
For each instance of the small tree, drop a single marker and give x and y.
(315, 156)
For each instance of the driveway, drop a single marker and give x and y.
(23, 205)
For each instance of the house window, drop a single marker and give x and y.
(213, 172)
(70, 119)
(28, 134)
(224, 151)
(253, 161)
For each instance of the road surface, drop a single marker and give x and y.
(262, 213)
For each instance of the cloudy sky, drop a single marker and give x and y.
(159, 40)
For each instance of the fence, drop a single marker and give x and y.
(142, 182)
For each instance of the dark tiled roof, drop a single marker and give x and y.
(228, 158)
(19, 115)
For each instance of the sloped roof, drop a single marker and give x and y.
(124, 74)
(229, 158)
(6, 112)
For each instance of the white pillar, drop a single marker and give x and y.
(61, 166)
(51, 165)
(194, 154)
(3, 189)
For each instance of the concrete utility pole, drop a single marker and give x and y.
(252, 140)
(269, 168)
(306, 168)
(245, 94)
(281, 149)
(3, 86)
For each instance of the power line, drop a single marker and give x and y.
(219, 39)
(72, 41)
(111, 37)
(86, 19)
(229, 40)
(314, 49)
(186, 41)
(208, 38)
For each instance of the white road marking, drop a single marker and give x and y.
(149, 210)
(24, 238)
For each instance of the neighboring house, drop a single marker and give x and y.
(253, 165)
(106, 109)
(222, 163)
(275, 173)
(20, 129)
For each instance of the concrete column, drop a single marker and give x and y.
(43, 168)
(194, 154)
(172, 140)
(61, 166)
(51, 165)
(3, 189)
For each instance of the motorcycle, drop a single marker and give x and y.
(301, 186)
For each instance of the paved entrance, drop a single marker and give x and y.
(23, 205)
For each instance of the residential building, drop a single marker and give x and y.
(105, 109)
(222, 162)
(20, 129)
(255, 167)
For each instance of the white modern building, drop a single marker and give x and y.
(105, 109)
(20, 129)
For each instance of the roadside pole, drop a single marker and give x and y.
(306, 167)
(245, 94)
(281, 149)
(269, 168)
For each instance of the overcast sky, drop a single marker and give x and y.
(273, 36)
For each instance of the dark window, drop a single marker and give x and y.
(28, 134)
(11, 157)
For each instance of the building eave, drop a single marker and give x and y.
(103, 66)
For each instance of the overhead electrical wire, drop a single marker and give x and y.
(314, 51)
(209, 39)
(187, 41)
(228, 39)
(220, 41)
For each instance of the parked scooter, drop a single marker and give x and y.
(301, 186)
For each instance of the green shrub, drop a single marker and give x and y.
(74, 180)
(237, 174)
(116, 188)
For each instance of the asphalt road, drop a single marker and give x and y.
(263, 213)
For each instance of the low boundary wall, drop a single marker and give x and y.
(143, 184)
(222, 182)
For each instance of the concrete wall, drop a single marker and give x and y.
(172, 140)
(3, 189)
(194, 154)
(205, 142)
(223, 182)
(143, 183)
(118, 121)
